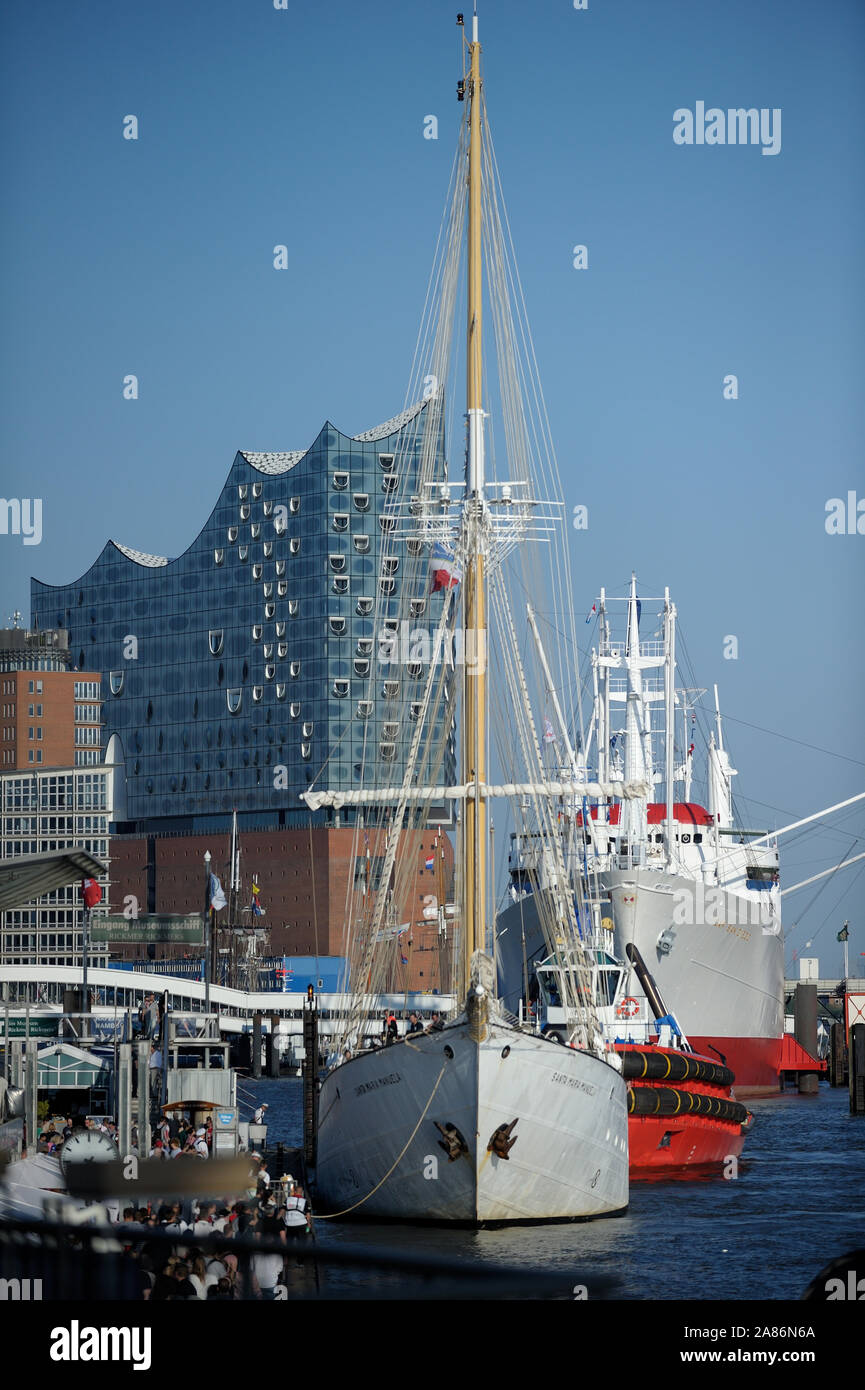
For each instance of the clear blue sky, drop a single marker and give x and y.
(305, 127)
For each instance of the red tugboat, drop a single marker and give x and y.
(683, 1118)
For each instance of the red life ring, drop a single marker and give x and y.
(627, 1007)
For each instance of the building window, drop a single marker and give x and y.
(256, 489)
(232, 535)
(361, 501)
(218, 557)
(340, 689)
(340, 482)
(294, 505)
(337, 626)
(115, 682)
(385, 461)
(294, 545)
(363, 607)
(340, 521)
(361, 544)
(233, 699)
(215, 639)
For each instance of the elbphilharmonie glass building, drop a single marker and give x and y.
(233, 673)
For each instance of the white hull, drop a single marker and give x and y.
(570, 1158)
(725, 977)
(723, 980)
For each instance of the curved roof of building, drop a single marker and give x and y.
(273, 464)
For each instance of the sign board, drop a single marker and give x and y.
(150, 927)
(39, 1027)
(809, 968)
(854, 1005)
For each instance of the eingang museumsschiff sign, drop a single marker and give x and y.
(149, 927)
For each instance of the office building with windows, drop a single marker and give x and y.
(241, 672)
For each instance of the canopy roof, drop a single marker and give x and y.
(28, 876)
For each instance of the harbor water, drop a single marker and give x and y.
(797, 1201)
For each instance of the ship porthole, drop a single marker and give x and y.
(506, 1051)
(449, 1052)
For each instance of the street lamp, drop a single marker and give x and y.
(207, 931)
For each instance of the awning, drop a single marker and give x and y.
(29, 876)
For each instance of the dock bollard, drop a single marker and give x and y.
(837, 1055)
(805, 1032)
(856, 1064)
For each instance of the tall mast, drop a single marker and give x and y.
(474, 706)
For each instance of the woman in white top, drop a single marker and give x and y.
(201, 1277)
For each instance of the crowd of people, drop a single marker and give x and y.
(272, 1213)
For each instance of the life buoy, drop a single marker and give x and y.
(627, 1007)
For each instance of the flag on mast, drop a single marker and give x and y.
(90, 892)
(257, 909)
(216, 895)
(445, 571)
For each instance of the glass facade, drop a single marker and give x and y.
(232, 674)
(53, 811)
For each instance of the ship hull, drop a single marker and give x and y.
(669, 1148)
(723, 980)
(381, 1157)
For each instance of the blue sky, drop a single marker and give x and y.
(305, 127)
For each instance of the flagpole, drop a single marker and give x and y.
(207, 931)
(85, 932)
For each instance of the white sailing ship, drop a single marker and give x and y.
(482, 1120)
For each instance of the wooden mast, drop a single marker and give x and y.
(474, 705)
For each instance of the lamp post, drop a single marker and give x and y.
(207, 931)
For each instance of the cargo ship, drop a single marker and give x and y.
(697, 894)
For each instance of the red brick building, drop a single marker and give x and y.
(306, 878)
